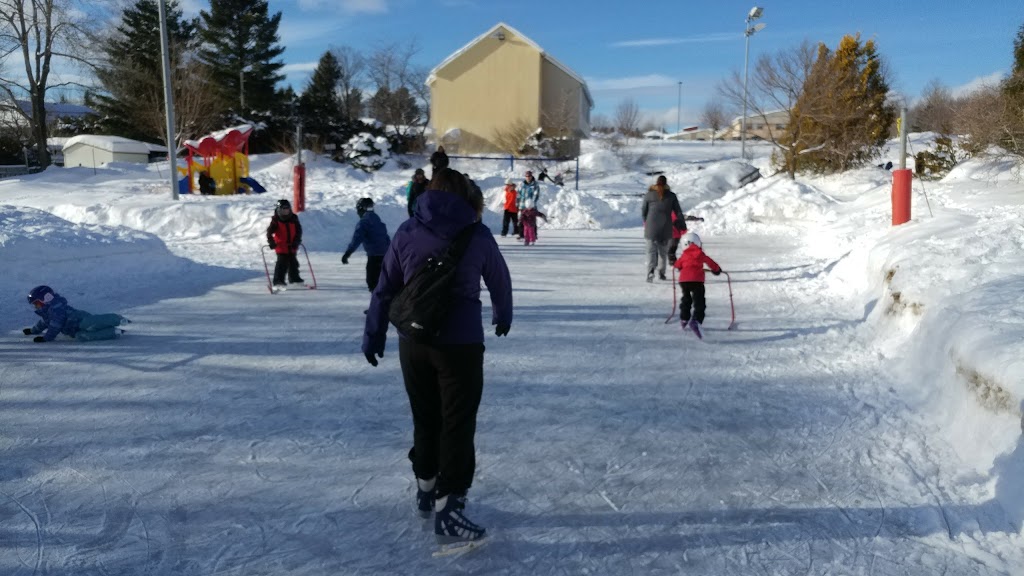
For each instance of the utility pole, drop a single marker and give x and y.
(679, 109)
(172, 149)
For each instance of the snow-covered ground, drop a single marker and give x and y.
(864, 417)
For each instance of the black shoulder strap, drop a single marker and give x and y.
(458, 246)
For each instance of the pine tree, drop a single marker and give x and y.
(132, 78)
(320, 105)
(842, 111)
(240, 44)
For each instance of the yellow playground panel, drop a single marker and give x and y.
(224, 155)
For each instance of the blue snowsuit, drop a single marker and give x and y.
(372, 233)
(58, 317)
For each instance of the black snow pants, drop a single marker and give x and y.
(444, 384)
(286, 263)
(373, 267)
(510, 217)
(693, 295)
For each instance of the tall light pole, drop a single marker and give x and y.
(172, 149)
(748, 31)
(679, 108)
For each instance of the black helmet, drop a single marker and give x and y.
(363, 206)
(284, 204)
(40, 294)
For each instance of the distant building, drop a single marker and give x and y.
(759, 126)
(654, 135)
(10, 118)
(93, 151)
(500, 79)
(694, 134)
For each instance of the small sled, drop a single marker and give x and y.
(266, 268)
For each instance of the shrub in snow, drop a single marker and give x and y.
(367, 152)
(937, 163)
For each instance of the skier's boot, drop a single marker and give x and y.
(695, 326)
(450, 524)
(425, 497)
(661, 276)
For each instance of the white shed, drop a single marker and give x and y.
(93, 151)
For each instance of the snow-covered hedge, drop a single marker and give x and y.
(367, 152)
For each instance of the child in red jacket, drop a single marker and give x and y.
(691, 281)
(284, 235)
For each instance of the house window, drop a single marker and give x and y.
(780, 126)
(758, 126)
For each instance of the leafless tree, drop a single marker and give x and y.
(776, 83)
(713, 116)
(390, 68)
(627, 117)
(935, 111)
(35, 35)
(353, 66)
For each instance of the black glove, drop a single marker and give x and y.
(679, 225)
(502, 329)
(38, 339)
(716, 272)
(295, 247)
(344, 260)
(27, 331)
(273, 245)
(371, 359)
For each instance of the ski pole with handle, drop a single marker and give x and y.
(732, 307)
(672, 314)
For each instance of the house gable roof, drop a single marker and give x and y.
(114, 144)
(501, 25)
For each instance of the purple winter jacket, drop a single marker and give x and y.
(438, 219)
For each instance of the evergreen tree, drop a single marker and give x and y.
(842, 111)
(240, 45)
(1014, 84)
(132, 78)
(320, 105)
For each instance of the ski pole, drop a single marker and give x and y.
(732, 307)
(728, 280)
(263, 253)
(309, 267)
(672, 314)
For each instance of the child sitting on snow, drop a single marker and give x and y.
(691, 281)
(57, 317)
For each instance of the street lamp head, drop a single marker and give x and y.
(757, 28)
(755, 13)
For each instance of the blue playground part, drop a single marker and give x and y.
(252, 184)
(183, 186)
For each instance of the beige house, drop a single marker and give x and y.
(503, 83)
(759, 125)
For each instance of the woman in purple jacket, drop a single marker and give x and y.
(445, 380)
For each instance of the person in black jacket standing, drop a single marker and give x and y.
(438, 160)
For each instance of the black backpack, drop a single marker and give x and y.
(421, 306)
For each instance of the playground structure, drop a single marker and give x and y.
(224, 155)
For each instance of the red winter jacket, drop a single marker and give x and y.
(285, 234)
(691, 264)
(511, 195)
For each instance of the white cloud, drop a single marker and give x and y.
(349, 6)
(980, 82)
(647, 42)
(300, 31)
(631, 83)
(299, 68)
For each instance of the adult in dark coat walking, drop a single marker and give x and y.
(438, 160)
(444, 380)
(659, 205)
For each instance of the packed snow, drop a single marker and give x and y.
(863, 417)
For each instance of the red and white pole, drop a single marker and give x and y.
(901, 179)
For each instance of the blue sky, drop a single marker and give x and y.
(643, 48)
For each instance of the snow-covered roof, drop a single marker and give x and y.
(220, 134)
(494, 29)
(115, 144)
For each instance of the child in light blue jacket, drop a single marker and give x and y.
(58, 317)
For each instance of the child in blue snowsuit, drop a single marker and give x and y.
(373, 235)
(57, 317)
